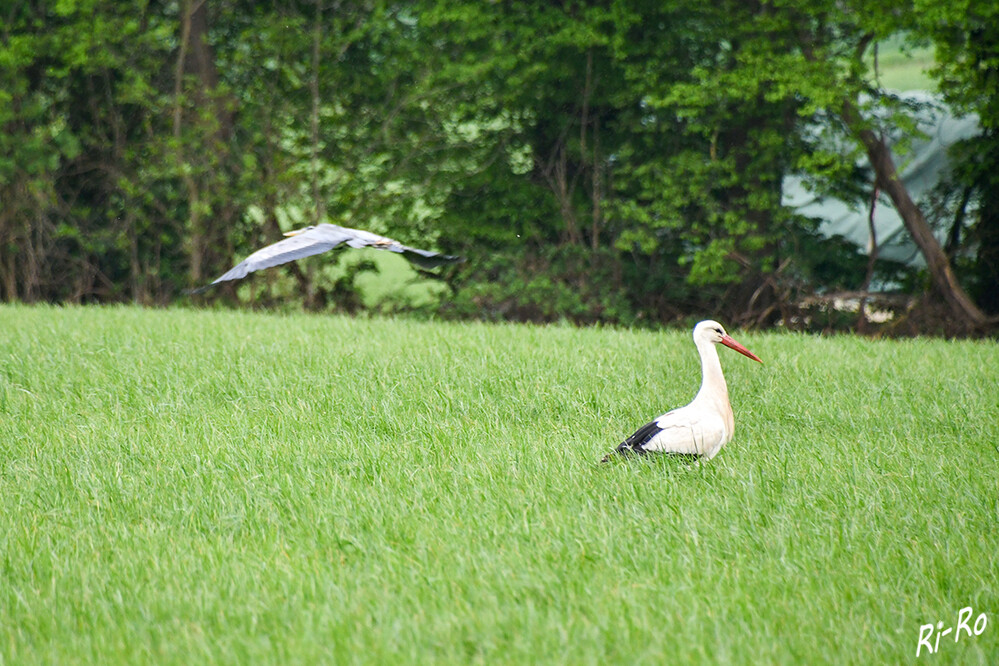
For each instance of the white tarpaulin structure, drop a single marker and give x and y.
(923, 166)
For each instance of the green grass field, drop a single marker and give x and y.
(903, 68)
(186, 487)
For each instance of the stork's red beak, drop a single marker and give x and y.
(732, 344)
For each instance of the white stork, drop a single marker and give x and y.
(703, 427)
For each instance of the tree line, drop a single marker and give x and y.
(617, 161)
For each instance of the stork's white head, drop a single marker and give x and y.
(709, 331)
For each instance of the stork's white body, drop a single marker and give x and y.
(707, 424)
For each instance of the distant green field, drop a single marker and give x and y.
(904, 69)
(187, 487)
(395, 281)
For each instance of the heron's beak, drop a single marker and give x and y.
(732, 344)
(294, 232)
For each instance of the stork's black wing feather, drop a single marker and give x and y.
(636, 442)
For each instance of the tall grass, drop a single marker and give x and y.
(192, 487)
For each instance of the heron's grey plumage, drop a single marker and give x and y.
(322, 238)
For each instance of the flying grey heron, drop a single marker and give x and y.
(322, 238)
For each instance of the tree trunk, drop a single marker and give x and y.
(319, 210)
(201, 63)
(891, 183)
(986, 229)
(202, 173)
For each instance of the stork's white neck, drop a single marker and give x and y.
(713, 387)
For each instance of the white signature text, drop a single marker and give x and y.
(963, 616)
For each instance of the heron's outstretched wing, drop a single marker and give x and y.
(427, 259)
(421, 258)
(322, 238)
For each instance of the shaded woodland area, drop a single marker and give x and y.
(616, 162)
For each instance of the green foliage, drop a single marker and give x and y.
(966, 40)
(544, 285)
(165, 141)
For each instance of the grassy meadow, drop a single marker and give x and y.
(903, 68)
(181, 486)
